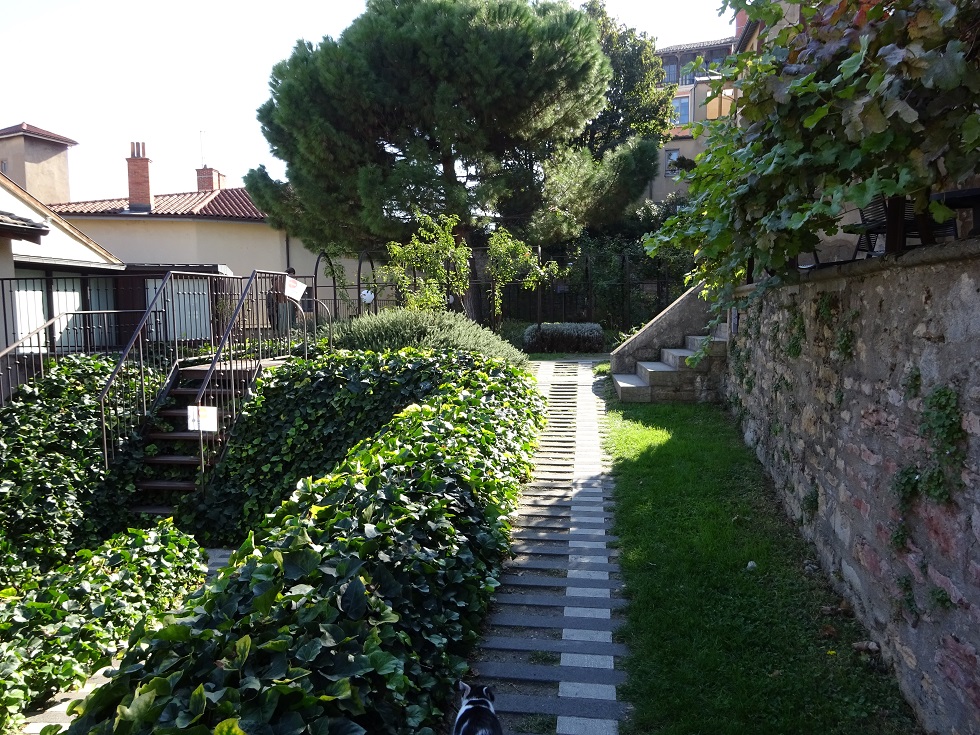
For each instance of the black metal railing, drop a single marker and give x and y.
(69, 333)
(181, 322)
(268, 323)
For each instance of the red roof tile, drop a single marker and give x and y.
(25, 129)
(218, 204)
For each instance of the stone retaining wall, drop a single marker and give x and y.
(833, 380)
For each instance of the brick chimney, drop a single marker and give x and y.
(140, 199)
(208, 179)
(741, 20)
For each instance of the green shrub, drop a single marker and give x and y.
(564, 337)
(301, 420)
(393, 329)
(351, 609)
(57, 628)
(55, 497)
(512, 332)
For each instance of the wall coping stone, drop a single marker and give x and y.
(957, 250)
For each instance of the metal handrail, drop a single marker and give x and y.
(33, 340)
(153, 353)
(239, 368)
(150, 309)
(50, 322)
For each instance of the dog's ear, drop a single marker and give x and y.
(464, 688)
(488, 693)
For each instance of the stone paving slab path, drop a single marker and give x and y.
(549, 650)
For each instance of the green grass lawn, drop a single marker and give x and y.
(716, 648)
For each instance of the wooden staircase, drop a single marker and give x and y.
(671, 379)
(172, 461)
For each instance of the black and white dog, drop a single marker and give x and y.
(476, 714)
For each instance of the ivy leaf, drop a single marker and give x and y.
(971, 130)
(850, 66)
(353, 600)
(940, 212)
(298, 564)
(816, 116)
(229, 727)
(904, 110)
(947, 69)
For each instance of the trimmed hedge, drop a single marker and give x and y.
(393, 329)
(300, 422)
(57, 629)
(352, 608)
(564, 337)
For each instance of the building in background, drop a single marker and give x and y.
(36, 160)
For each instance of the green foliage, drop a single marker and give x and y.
(564, 337)
(942, 425)
(432, 267)
(508, 260)
(393, 329)
(350, 609)
(59, 627)
(424, 105)
(938, 475)
(912, 383)
(300, 422)
(857, 100)
(636, 106)
(55, 496)
(797, 333)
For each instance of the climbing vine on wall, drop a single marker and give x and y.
(936, 475)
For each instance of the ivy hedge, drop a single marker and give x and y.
(55, 496)
(58, 628)
(352, 607)
(300, 422)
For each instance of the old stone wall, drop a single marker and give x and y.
(860, 391)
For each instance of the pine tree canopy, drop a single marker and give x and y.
(428, 105)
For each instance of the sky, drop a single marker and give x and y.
(186, 77)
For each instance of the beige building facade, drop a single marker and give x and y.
(36, 160)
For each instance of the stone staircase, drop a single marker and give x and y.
(671, 379)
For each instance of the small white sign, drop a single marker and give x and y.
(202, 418)
(294, 289)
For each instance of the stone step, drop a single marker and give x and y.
(506, 619)
(562, 601)
(544, 580)
(631, 388)
(660, 374)
(542, 549)
(553, 645)
(718, 347)
(676, 357)
(543, 673)
(181, 459)
(555, 563)
(592, 709)
(528, 534)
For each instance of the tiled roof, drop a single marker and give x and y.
(696, 46)
(218, 204)
(22, 228)
(25, 129)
